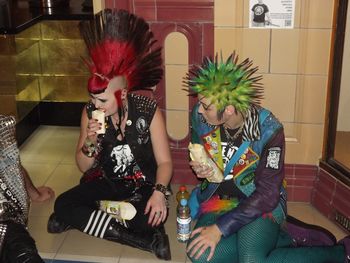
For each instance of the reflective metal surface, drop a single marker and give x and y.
(42, 63)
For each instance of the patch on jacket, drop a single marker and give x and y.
(273, 158)
(141, 125)
(247, 179)
(142, 129)
(247, 159)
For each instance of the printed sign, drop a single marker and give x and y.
(271, 13)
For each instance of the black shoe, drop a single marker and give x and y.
(160, 245)
(157, 243)
(56, 226)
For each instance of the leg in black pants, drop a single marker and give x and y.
(78, 208)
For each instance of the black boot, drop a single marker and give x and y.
(56, 226)
(160, 244)
(19, 246)
(157, 242)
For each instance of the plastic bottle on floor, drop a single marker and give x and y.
(183, 221)
(182, 194)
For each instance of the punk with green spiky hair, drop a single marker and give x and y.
(237, 150)
(226, 82)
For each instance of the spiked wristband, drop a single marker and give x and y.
(88, 148)
(161, 188)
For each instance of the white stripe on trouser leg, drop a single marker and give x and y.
(109, 218)
(95, 222)
(90, 220)
(99, 225)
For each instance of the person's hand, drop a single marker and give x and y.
(156, 207)
(44, 193)
(202, 170)
(208, 237)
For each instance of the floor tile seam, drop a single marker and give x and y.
(81, 258)
(57, 253)
(117, 259)
(61, 245)
(68, 261)
(51, 174)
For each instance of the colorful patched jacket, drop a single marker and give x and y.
(258, 172)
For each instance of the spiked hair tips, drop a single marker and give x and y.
(120, 44)
(226, 82)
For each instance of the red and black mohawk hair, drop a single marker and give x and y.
(120, 44)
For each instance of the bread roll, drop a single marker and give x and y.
(100, 117)
(198, 154)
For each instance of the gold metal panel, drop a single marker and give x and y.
(28, 82)
(32, 32)
(64, 88)
(23, 44)
(43, 63)
(28, 95)
(63, 57)
(60, 30)
(28, 61)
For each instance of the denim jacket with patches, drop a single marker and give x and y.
(259, 173)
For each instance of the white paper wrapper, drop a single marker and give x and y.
(198, 154)
(118, 209)
(100, 117)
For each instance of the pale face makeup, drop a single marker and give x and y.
(106, 101)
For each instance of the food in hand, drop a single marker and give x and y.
(198, 154)
(100, 117)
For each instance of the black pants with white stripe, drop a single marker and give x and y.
(78, 206)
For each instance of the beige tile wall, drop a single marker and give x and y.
(343, 123)
(294, 64)
(98, 5)
(176, 67)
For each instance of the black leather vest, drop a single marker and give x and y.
(141, 110)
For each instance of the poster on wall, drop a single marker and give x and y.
(276, 14)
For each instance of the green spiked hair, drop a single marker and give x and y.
(226, 83)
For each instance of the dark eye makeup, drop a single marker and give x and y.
(93, 97)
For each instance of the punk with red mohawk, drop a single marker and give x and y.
(120, 44)
(123, 149)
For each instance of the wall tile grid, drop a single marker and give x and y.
(300, 181)
(294, 64)
(182, 173)
(330, 195)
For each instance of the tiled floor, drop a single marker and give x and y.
(48, 155)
